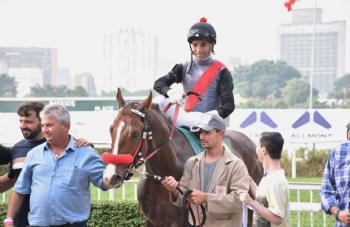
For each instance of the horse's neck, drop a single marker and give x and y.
(164, 159)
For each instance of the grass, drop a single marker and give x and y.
(304, 197)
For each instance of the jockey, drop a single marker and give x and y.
(204, 75)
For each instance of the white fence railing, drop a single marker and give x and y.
(294, 206)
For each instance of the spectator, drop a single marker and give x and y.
(335, 190)
(30, 125)
(271, 205)
(57, 175)
(215, 176)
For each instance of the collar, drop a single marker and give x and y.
(208, 61)
(70, 146)
(227, 157)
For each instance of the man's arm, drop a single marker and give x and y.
(162, 85)
(5, 155)
(226, 94)
(15, 203)
(252, 186)
(6, 183)
(263, 211)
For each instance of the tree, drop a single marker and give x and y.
(262, 78)
(128, 93)
(60, 91)
(8, 86)
(79, 91)
(48, 91)
(297, 92)
(342, 85)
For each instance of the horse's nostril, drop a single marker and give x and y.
(116, 180)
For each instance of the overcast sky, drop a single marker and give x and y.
(245, 28)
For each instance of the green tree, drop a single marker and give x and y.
(262, 78)
(8, 87)
(49, 91)
(128, 93)
(79, 91)
(341, 85)
(297, 92)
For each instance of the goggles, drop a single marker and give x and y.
(198, 33)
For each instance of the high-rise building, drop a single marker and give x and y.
(64, 77)
(3, 68)
(44, 59)
(26, 78)
(86, 81)
(295, 44)
(130, 61)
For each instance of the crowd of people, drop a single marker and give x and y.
(50, 171)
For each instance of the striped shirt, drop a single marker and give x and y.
(335, 188)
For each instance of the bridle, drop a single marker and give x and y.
(136, 160)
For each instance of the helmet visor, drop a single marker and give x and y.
(197, 33)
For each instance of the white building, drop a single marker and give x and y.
(295, 43)
(64, 77)
(26, 78)
(86, 81)
(3, 68)
(130, 61)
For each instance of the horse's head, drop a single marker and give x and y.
(126, 133)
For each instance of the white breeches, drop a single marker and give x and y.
(190, 119)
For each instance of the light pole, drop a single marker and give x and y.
(273, 99)
(312, 57)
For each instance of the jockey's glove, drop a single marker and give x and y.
(212, 112)
(176, 96)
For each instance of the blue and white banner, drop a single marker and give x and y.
(295, 125)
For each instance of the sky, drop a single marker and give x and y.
(245, 28)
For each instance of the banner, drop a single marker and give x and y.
(295, 125)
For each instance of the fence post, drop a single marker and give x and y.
(98, 194)
(123, 191)
(294, 171)
(311, 213)
(4, 196)
(135, 191)
(111, 194)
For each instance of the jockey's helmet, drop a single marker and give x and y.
(202, 31)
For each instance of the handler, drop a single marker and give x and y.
(204, 75)
(215, 176)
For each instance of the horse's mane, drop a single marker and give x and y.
(156, 108)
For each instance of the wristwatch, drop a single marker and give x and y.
(336, 215)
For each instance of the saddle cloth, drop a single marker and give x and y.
(196, 143)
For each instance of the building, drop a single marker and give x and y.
(44, 59)
(64, 77)
(295, 44)
(3, 68)
(86, 81)
(130, 61)
(26, 78)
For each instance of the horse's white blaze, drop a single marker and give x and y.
(109, 172)
(116, 141)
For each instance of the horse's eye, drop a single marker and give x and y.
(135, 134)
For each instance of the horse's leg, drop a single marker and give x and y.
(250, 218)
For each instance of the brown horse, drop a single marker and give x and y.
(126, 133)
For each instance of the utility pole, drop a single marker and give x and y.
(312, 57)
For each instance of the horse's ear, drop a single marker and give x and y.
(147, 103)
(120, 100)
